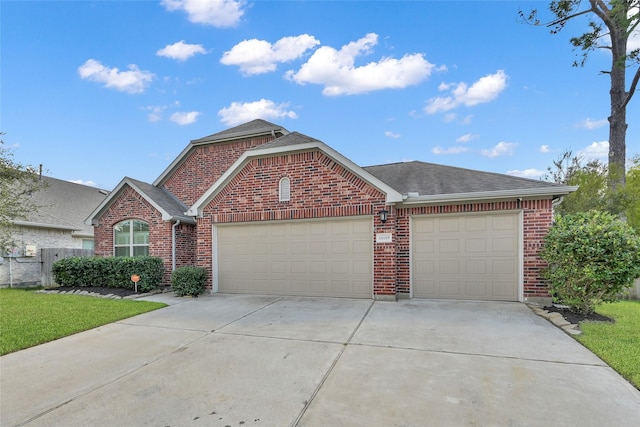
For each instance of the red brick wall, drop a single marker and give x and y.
(320, 187)
(130, 205)
(204, 165)
(537, 218)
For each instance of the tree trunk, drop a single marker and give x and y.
(618, 117)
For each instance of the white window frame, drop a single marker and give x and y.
(131, 245)
(284, 189)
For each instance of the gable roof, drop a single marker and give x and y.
(63, 205)
(423, 182)
(163, 201)
(292, 142)
(252, 129)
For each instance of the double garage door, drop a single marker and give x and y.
(310, 258)
(474, 256)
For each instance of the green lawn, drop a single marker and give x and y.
(617, 343)
(28, 318)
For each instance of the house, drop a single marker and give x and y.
(58, 222)
(268, 211)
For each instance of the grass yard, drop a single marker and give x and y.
(617, 343)
(28, 318)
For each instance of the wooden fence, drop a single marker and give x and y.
(51, 255)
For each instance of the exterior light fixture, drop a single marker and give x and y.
(384, 215)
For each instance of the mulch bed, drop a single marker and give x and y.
(121, 292)
(576, 318)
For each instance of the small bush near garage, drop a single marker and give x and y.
(592, 258)
(188, 281)
(109, 272)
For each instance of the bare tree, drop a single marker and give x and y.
(610, 25)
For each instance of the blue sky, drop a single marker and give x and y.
(96, 91)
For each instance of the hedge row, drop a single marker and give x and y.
(109, 272)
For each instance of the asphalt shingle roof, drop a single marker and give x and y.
(253, 127)
(163, 198)
(64, 204)
(433, 179)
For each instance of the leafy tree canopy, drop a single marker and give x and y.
(593, 192)
(17, 184)
(609, 27)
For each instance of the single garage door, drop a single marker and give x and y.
(312, 258)
(472, 256)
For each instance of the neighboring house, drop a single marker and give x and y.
(268, 211)
(57, 223)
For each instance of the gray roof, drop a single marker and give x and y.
(254, 127)
(432, 179)
(289, 140)
(162, 198)
(64, 205)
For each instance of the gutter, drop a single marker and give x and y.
(488, 195)
(173, 244)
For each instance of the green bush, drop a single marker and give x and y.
(109, 272)
(591, 258)
(188, 281)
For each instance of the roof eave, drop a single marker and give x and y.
(392, 196)
(206, 140)
(44, 225)
(490, 195)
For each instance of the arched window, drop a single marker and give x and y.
(285, 189)
(131, 238)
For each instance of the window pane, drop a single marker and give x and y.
(122, 251)
(87, 244)
(141, 251)
(123, 233)
(140, 237)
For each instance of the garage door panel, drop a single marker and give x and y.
(475, 246)
(473, 256)
(315, 258)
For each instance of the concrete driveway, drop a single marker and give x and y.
(235, 360)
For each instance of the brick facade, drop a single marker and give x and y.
(131, 205)
(320, 187)
(204, 165)
(537, 218)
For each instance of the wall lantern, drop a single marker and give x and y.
(384, 215)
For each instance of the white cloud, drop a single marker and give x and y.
(392, 135)
(634, 38)
(450, 150)
(336, 69)
(181, 51)
(500, 149)
(592, 124)
(544, 148)
(527, 173)
(596, 151)
(155, 112)
(486, 89)
(449, 117)
(83, 182)
(239, 112)
(259, 56)
(185, 118)
(217, 13)
(467, 137)
(132, 81)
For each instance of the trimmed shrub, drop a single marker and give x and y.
(189, 281)
(109, 272)
(592, 257)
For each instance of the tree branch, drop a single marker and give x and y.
(632, 88)
(566, 18)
